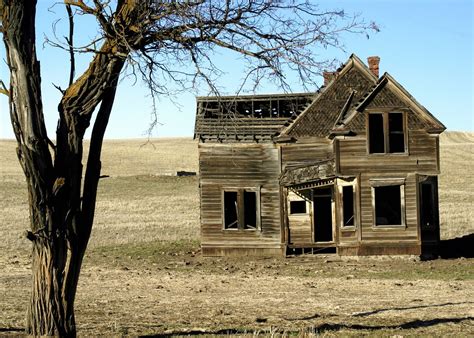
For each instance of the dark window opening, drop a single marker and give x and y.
(388, 205)
(210, 109)
(396, 137)
(241, 210)
(255, 108)
(288, 108)
(230, 210)
(261, 109)
(348, 205)
(386, 133)
(376, 135)
(250, 210)
(244, 108)
(275, 109)
(297, 207)
(427, 205)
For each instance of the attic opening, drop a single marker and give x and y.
(254, 107)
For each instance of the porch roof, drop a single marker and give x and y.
(312, 174)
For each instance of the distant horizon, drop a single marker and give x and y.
(447, 131)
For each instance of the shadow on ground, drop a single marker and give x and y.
(457, 247)
(319, 329)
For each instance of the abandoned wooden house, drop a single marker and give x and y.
(351, 168)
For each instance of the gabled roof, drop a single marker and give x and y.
(388, 82)
(333, 110)
(352, 80)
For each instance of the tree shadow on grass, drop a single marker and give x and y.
(457, 247)
(414, 324)
(368, 313)
(319, 328)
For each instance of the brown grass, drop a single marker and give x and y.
(456, 184)
(143, 273)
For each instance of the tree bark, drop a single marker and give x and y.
(60, 219)
(48, 313)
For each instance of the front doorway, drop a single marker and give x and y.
(322, 214)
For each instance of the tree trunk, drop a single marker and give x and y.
(48, 311)
(61, 220)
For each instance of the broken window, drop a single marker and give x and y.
(250, 210)
(230, 210)
(287, 108)
(396, 140)
(386, 133)
(241, 210)
(244, 108)
(210, 109)
(255, 107)
(298, 207)
(261, 108)
(376, 136)
(388, 202)
(348, 205)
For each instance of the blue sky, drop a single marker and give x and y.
(427, 45)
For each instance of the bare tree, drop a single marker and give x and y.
(158, 40)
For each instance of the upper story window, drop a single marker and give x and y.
(386, 133)
(241, 209)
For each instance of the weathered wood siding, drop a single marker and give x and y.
(422, 156)
(239, 166)
(353, 159)
(299, 225)
(301, 154)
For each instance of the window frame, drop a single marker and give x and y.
(386, 132)
(293, 197)
(355, 203)
(298, 213)
(375, 183)
(241, 208)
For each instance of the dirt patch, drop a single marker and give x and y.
(179, 291)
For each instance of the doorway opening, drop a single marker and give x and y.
(322, 214)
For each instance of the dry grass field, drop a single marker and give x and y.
(143, 274)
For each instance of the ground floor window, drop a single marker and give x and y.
(388, 202)
(347, 189)
(298, 207)
(348, 205)
(241, 209)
